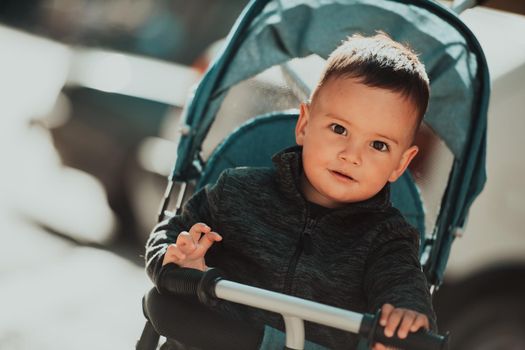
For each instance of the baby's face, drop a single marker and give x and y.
(355, 139)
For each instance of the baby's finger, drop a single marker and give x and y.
(406, 323)
(207, 240)
(197, 230)
(420, 321)
(393, 321)
(185, 243)
(379, 346)
(211, 236)
(385, 314)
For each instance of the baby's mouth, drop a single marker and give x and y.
(342, 175)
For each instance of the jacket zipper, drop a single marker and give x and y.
(304, 244)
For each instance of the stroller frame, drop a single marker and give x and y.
(468, 164)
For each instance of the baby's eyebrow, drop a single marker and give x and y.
(333, 116)
(388, 138)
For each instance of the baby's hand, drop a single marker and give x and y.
(190, 247)
(407, 320)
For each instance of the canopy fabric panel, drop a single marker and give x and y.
(290, 29)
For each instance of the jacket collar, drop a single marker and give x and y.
(288, 164)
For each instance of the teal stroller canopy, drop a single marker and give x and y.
(269, 33)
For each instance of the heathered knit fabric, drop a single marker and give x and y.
(357, 257)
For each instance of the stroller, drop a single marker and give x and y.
(272, 51)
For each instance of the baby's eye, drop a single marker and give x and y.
(380, 146)
(338, 129)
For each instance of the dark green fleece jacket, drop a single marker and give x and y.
(357, 257)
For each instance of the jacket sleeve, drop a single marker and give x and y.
(393, 272)
(203, 207)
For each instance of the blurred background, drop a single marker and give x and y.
(91, 94)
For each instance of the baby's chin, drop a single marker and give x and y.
(341, 199)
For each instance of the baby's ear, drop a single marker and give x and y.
(405, 160)
(302, 121)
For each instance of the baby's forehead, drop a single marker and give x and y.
(325, 92)
(327, 99)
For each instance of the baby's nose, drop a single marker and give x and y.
(351, 154)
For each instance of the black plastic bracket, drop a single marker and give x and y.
(206, 287)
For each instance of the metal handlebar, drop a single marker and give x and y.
(209, 286)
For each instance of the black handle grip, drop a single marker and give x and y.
(420, 340)
(180, 280)
(190, 282)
